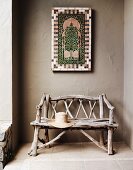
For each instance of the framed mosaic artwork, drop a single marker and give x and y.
(71, 39)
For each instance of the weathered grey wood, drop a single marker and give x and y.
(53, 107)
(41, 101)
(39, 108)
(46, 106)
(52, 141)
(83, 108)
(111, 117)
(90, 122)
(74, 97)
(67, 109)
(38, 115)
(70, 103)
(67, 106)
(93, 140)
(92, 109)
(33, 151)
(110, 143)
(46, 136)
(111, 108)
(78, 110)
(80, 123)
(101, 105)
(101, 137)
(107, 102)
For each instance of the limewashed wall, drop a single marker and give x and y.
(128, 70)
(35, 58)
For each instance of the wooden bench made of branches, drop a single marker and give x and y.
(81, 109)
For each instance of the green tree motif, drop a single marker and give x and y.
(71, 39)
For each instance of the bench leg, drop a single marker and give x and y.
(33, 151)
(101, 137)
(110, 142)
(46, 136)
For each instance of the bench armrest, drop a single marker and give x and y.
(39, 108)
(111, 109)
(44, 102)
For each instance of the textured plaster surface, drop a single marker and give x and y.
(5, 60)
(35, 46)
(128, 70)
(34, 55)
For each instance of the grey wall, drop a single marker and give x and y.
(128, 71)
(35, 46)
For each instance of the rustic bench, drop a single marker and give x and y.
(89, 113)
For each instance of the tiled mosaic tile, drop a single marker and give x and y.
(71, 39)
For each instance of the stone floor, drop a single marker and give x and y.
(80, 156)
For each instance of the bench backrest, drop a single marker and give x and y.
(76, 106)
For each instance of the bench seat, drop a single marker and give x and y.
(79, 123)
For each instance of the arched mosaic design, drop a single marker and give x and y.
(71, 39)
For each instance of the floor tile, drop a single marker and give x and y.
(102, 165)
(73, 156)
(23, 152)
(126, 164)
(67, 152)
(91, 151)
(123, 151)
(57, 165)
(14, 165)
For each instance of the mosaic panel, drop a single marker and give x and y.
(71, 39)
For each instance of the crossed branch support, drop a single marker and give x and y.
(35, 147)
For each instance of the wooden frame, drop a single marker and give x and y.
(71, 39)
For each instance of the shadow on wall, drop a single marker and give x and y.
(17, 54)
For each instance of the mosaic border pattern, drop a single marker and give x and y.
(60, 66)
